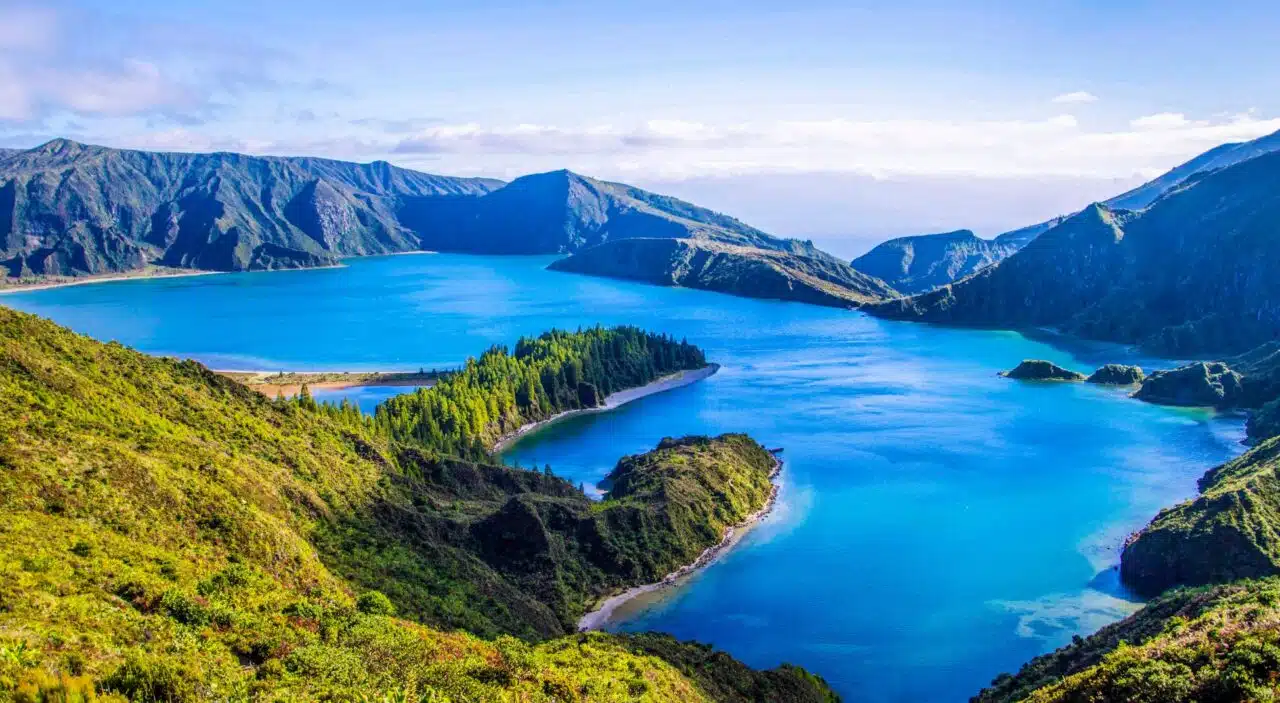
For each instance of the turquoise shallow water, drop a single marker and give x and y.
(937, 524)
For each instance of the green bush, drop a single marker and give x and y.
(375, 603)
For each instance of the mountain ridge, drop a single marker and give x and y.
(945, 260)
(1192, 274)
(69, 209)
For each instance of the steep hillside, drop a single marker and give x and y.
(69, 209)
(563, 212)
(1195, 273)
(745, 271)
(170, 535)
(1231, 531)
(1208, 645)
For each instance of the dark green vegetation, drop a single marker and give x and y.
(686, 493)
(1207, 384)
(1216, 636)
(1250, 381)
(1231, 531)
(167, 534)
(1264, 423)
(924, 262)
(69, 209)
(1040, 370)
(1193, 273)
(1217, 644)
(1117, 375)
(745, 271)
(468, 411)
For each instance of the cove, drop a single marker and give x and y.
(936, 525)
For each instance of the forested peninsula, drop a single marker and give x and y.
(171, 535)
(469, 411)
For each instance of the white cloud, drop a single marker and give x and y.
(1164, 120)
(1078, 96)
(1055, 146)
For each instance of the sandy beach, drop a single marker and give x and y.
(613, 400)
(273, 383)
(89, 280)
(600, 616)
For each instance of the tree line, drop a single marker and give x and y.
(469, 410)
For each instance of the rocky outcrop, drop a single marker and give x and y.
(1231, 531)
(1200, 384)
(1117, 375)
(1040, 370)
(745, 271)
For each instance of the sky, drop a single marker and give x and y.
(839, 121)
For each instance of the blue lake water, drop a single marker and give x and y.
(937, 524)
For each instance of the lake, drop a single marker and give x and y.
(937, 524)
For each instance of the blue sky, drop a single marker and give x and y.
(882, 118)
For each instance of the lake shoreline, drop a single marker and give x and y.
(612, 401)
(272, 383)
(600, 615)
(105, 278)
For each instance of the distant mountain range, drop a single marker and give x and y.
(924, 262)
(727, 268)
(1196, 272)
(920, 263)
(70, 209)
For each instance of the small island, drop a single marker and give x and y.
(1040, 370)
(1117, 375)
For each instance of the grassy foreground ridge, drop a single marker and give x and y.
(170, 535)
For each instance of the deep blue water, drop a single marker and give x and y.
(937, 524)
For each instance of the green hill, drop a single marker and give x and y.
(740, 270)
(168, 534)
(1209, 645)
(1230, 531)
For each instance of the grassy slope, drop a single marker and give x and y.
(1218, 639)
(1229, 532)
(172, 534)
(1209, 645)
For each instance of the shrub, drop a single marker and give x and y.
(375, 603)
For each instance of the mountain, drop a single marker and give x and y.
(167, 534)
(924, 262)
(725, 268)
(563, 212)
(1197, 272)
(69, 209)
